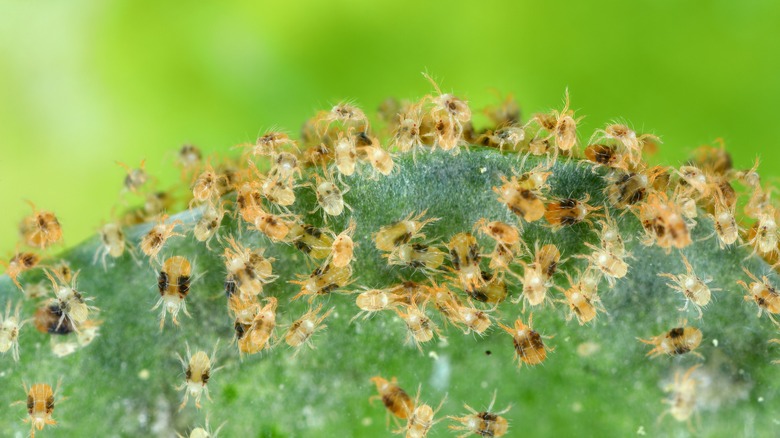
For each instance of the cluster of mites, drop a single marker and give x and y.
(666, 201)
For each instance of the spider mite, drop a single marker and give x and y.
(520, 199)
(49, 318)
(302, 330)
(174, 285)
(370, 301)
(198, 369)
(248, 268)
(692, 287)
(609, 235)
(324, 280)
(188, 158)
(330, 198)
(626, 137)
(503, 233)
(342, 249)
(314, 242)
(112, 243)
(568, 212)
(493, 289)
(19, 263)
(457, 110)
(208, 224)
(205, 189)
(41, 229)
(485, 423)
(427, 258)
(391, 236)
(723, 219)
(70, 301)
(407, 135)
(664, 223)
(763, 294)
(608, 261)
(765, 241)
(474, 319)
(135, 178)
(278, 191)
(628, 188)
(507, 136)
(271, 142)
(537, 275)
(203, 432)
(583, 302)
(345, 154)
(682, 403)
(421, 419)
(249, 201)
(421, 328)
(529, 346)
(465, 256)
(380, 159)
(605, 155)
(285, 167)
(273, 226)
(679, 340)
(395, 399)
(446, 133)
(562, 126)
(153, 241)
(256, 336)
(40, 405)
(9, 331)
(349, 115)
(696, 181)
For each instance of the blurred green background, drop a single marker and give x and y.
(84, 83)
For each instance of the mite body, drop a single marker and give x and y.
(10, 325)
(198, 369)
(568, 212)
(485, 423)
(582, 300)
(153, 242)
(329, 196)
(135, 178)
(664, 223)
(763, 294)
(608, 261)
(521, 198)
(256, 336)
(537, 275)
(342, 249)
(206, 189)
(324, 280)
(41, 229)
(679, 340)
(421, 419)
(421, 328)
(248, 268)
(529, 346)
(112, 243)
(208, 224)
(465, 256)
(174, 285)
(391, 236)
(683, 400)
(19, 263)
(312, 241)
(40, 406)
(69, 300)
(375, 300)
(692, 287)
(427, 258)
(395, 399)
(302, 330)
